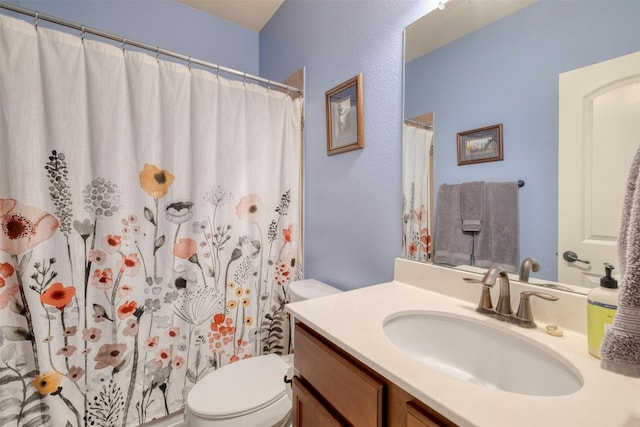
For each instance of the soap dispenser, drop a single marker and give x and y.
(602, 303)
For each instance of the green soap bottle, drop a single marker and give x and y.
(602, 303)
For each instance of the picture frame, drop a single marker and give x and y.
(344, 109)
(480, 145)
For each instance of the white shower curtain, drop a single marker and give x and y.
(149, 227)
(416, 235)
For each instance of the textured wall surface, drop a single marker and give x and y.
(353, 200)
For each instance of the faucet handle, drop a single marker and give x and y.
(524, 314)
(485, 305)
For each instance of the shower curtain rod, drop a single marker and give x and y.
(418, 124)
(157, 50)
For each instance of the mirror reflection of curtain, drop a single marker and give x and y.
(416, 232)
(149, 228)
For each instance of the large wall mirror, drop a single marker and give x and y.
(473, 64)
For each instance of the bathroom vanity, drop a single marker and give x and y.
(349, 372)
(332, 388)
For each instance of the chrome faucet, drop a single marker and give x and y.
(524, 316)
(528, 265)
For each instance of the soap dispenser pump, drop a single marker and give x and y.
(602, 304)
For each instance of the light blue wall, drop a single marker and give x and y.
(508, 73)
(164, 23)
(353, 200)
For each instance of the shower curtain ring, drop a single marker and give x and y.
(36, 20)
(244, 79)
(124, 43)
(189, 63)
(82, 33)
(158, 54)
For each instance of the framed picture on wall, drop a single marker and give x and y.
(480, 145)
(344, 105)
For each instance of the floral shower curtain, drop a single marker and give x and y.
(149, 227)
(416, 168)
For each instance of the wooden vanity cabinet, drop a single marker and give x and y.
(308, 408)
(331, 388)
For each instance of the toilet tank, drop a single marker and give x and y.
(300, 290)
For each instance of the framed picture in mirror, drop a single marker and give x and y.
(344, 105)
(480, 145)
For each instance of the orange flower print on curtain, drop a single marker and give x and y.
(287, 233)
(47, 383)
(127, 309)
(7, 289)
(155, 181)
(6, 292)
(6, 270)
(58, 295)
(111, 243)
(425, 240)
(129, 264)
(102, 279)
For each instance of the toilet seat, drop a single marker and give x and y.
(302, 290)
(241, 388)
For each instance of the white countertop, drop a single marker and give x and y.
(353, 321)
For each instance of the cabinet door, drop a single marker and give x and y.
(308, 411)
(416, 417)
(354, 392)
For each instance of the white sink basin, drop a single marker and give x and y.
(473, 351)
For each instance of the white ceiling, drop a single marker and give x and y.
(251, 14)
(456, 19)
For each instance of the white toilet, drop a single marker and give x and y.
(250, 392)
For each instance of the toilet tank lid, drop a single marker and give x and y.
(300, 290)
(239, 388)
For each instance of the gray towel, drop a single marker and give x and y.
(620, 349)
(497, 244)
(471, 205)
(452, 246)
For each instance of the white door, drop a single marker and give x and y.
(599, 132)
